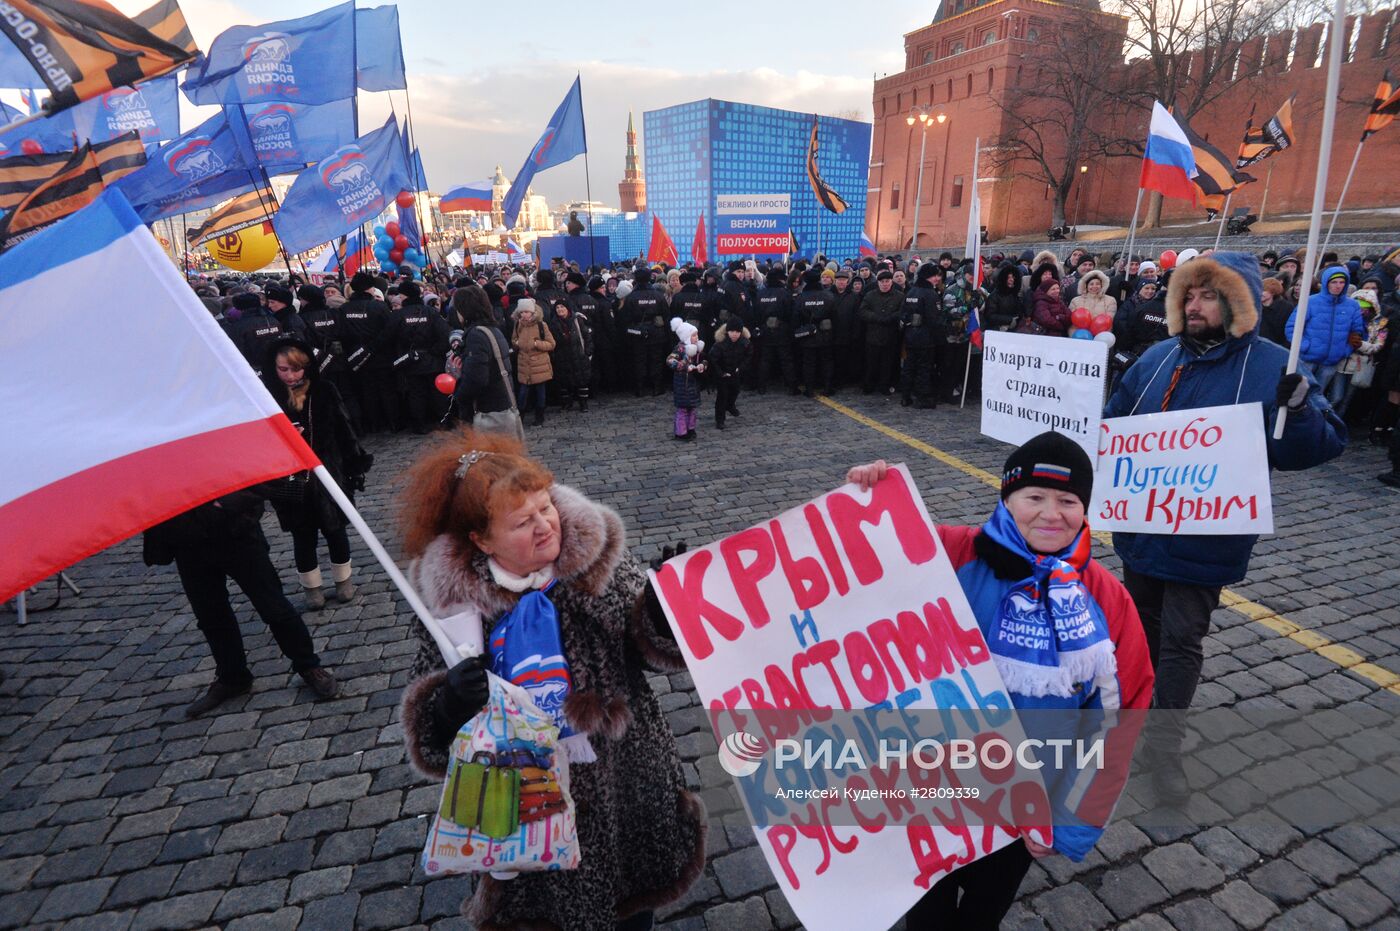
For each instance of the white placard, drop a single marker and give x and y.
(1199, 471)
(1031, 384)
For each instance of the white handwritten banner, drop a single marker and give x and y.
(1031, 384)
(847, 603)
(1200, 471)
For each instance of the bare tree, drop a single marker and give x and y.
(1065, 109)
(1188, 54)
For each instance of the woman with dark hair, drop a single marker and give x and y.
(491, 535)
(303, 508)
(484, 387)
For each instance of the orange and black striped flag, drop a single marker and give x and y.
(166, 21)
(21, 174)
(829, 198)
(1275, 135)
(83, 48)
(73, 186)
(243, 211)
(1215, 175)
(1384, 108)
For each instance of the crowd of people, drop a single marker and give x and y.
(891, 326)
(487, 524)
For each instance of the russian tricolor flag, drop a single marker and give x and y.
(467, 197)
(866, 246)
(173, 417)
(1169, 164)
(356, 249)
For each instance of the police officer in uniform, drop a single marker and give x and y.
(591, 303)
(775, 350)
(419, 336)
(252, 327)
(923, 330)
(639, 314)
(369, 355)
(814, 324)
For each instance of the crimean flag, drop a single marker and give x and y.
(243, 211)
(174, 417)
(83, 48)
(1168, 164)
(698, 253)
(1384, 108)
(828, 197)
(1262, 141)
(78, 183)
(661, 249)
(467, 197)
(1215, 175)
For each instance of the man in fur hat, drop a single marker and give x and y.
(1215, 356)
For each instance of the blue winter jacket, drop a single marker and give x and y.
(1331, 319)
(1240, 370)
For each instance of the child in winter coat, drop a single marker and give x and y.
(1359, 369)
(687, 364)
(728, 360)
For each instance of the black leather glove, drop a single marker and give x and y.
(463, 695)
(1292, 391)
(653, 603)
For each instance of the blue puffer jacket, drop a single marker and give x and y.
(1331, 318)
(1243, 369)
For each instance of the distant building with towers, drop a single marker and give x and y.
(632, 189)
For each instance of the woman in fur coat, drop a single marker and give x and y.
(485, 525)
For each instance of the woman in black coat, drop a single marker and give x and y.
(1003, 306)
(573, 354)
(303, 508)
(481, 388)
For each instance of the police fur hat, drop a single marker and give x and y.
(1233, 275)
(927, 271)
(544, 278)
(736, 265)
(687, 277)
(594, 283)
(280, 294)
(811, 277)
(776, 278)
(248, 300)
(577, 279)
(410, 290)
(361, 281)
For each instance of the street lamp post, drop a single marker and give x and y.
(1078, 193)
(928, 120)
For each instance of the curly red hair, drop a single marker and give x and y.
(435, 501)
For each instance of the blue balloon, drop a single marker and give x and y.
(1083, 334)
(379, 231)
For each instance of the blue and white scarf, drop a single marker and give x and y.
(527, 648)
(1048, 634)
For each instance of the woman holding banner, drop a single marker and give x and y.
(1037, 543)
(488, 527)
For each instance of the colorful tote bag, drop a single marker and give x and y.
(505, 804)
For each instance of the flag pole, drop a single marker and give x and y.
(1132, 230)
(1224, 215)
(1310, 258)
(587, 178)
(1267, 178)
(262, 202)
(1343, 196)
(974, 232)
(347, 507)
(184, 252)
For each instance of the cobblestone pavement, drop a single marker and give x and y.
(279, 812)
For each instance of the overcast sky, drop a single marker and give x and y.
(484, 78)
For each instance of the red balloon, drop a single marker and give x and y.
(445, 383)
(1101, 324)
(401, 242)
(1080, 317)
(391, 229)
(404, 200)
(31, 147)
(1167, 259)
(396, 256)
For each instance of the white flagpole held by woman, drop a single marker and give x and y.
(1343, 196)
(416, 603)
(1310, 258)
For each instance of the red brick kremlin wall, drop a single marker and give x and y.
(960, 65)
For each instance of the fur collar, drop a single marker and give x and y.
(593, 542)
(1243, 314)
(1045, 257)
